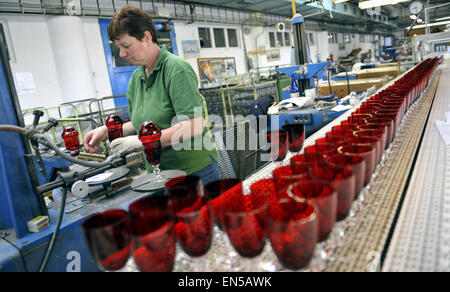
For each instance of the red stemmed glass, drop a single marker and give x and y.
(283, 176)
(365, 152)
(342, 179)
(324, 196)
(114, 125)
(106, 234)
(296, 136)
(278, 141)
(193, 219)
(265, 187)
(214, 191)
(362, 139)
(245, 224)
(150, 136)
(293, 231)
(71, 140)
(153, 235)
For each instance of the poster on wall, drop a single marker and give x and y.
(273, 55)
(191, 49)
(213, 69)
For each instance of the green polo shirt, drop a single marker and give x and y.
(169, 95)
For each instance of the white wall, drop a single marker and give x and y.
(97, 57)
(34, 54)
(32, 48)
(185, 32)
(256, 37)
(33, 51)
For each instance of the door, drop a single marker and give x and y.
(119, 69)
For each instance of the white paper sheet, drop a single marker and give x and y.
(99, 177)
(444, 130)
(447, 117)
(341, 107)
(25, 83)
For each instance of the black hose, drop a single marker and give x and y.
(45, 140)
(329, 83)
(51, 245)
(348, 80)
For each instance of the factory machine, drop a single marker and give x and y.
(36, 235)
(302, 79)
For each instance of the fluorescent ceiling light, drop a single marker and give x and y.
(429, 25)
(443, 18)
(376, 3)
(339, 1)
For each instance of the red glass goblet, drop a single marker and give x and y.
(296, 136)
(293, 231)
(245, 223)
(325, 198)
(213, 192)
(114, 125)
(71, 140)
(283, 176)
(193, 219)
(150, 136)
(153, 234)
(106, 234)
(278, 141)
(365, 152)
(342, 179)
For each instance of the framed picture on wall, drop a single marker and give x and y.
(191, 49)
(342, 46)
(213, 69)
(273, 55)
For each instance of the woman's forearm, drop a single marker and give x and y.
(182, 131)
(128, 129)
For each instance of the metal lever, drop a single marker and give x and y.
(51, 123)
(37, 115)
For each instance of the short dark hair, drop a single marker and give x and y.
(131, 20)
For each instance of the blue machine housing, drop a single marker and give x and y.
(21, 250)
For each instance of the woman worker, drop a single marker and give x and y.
(164, 89)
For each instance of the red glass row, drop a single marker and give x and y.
(294, 209)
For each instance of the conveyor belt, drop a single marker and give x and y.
(366, 234)
(421, 240)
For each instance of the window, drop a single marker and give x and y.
(332, 38)
(362, 38)
(287, 39)
(280, 42)
(347, 38)
(272, 39)
(232, 38)
(219, 37)
(311, 39)
(205, 37)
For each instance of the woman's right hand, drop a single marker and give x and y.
(93, 138)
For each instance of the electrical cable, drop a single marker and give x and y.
(51, 245)
(348, 80)
(329, 83)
